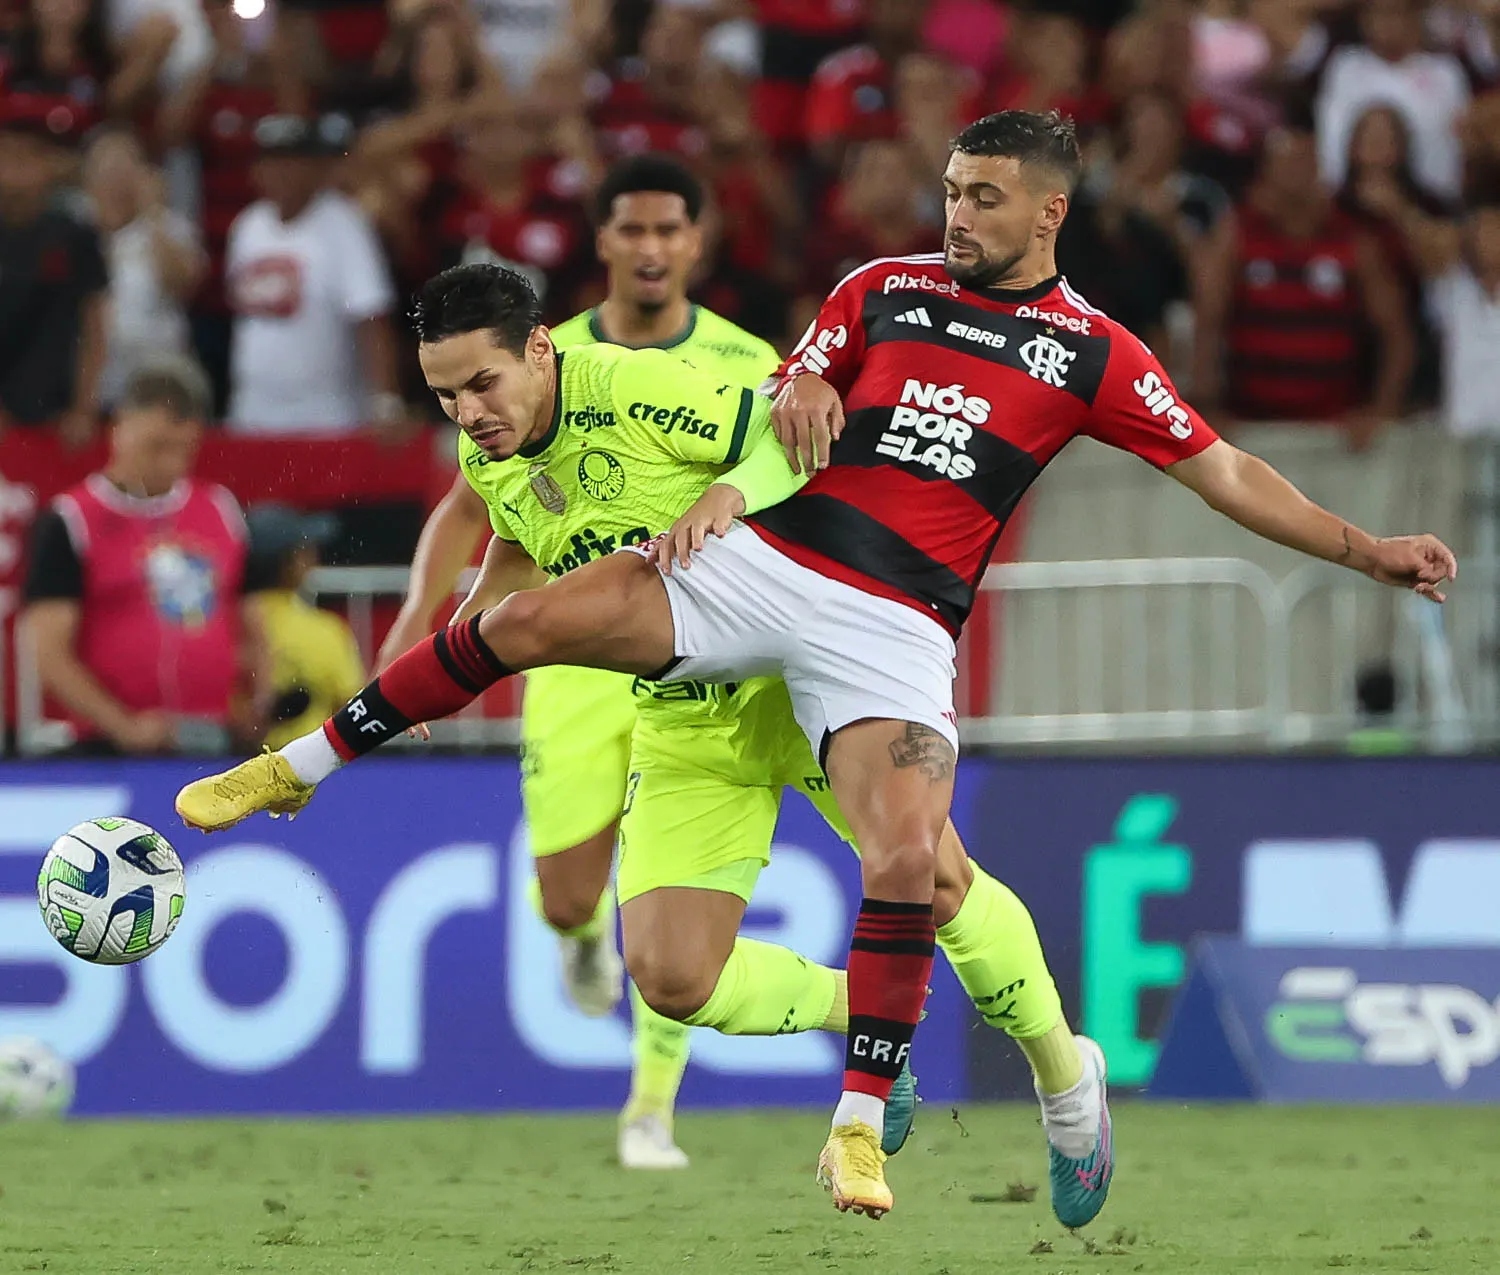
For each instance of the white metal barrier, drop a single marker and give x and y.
(1131, 650)
(1187, 652)
(1191, 652)
(357, 590)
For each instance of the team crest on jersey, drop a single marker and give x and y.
(1047, 360)
(600, 475)
(549, 495)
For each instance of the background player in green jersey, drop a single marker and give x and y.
(585, 451)
(576, 723)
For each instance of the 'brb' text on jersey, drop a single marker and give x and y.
(635, 438)
(954, 402)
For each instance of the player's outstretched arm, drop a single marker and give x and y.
(447, 543)
(1245, 488)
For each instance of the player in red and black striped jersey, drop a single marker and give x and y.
(954, 400)
(962, 377)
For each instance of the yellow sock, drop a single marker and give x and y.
(590, 929)
(660, 1049)
(1054, 1058)
(766, 990)
(993, 947)
(838, 1013)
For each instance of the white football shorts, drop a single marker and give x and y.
(744, 609)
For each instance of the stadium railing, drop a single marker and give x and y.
(1120, 647)
(1182, 652)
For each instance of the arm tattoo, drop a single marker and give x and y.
(1348, 548)
(924, 747)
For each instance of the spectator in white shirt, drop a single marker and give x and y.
(1431, 90)
(1462, 264)
(154, 258)
(313, 349)
(1465, 298)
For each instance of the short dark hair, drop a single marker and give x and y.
(1043, 140)
(173, 382)
(654, 173)
(474, 298)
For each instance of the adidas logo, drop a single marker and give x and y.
(917, 316)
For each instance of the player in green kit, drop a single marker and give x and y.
(579, 453)
(576, 722)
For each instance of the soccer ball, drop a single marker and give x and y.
(111, 890)
(34, 1081)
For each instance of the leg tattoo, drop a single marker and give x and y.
(924, 747)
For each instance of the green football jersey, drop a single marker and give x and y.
(582, 444)
(636, 437)
(709, 341)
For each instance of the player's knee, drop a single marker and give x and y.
(520, 628)
(901, 866)
(564, 911)
(675, 989)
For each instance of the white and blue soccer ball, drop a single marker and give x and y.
(34, 1081)
(111, 890)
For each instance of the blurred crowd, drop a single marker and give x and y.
(1296, 201)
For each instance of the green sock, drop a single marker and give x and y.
(592, 928)
(660, 1049)
(1054, 1058)
(765, 990)
(993, 947)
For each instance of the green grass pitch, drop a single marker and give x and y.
(1232, 1191)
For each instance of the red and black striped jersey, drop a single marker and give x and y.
(1297, 321)
(954, 402)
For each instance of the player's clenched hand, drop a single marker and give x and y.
(713, 513)
(807, 417)
(1420, 563)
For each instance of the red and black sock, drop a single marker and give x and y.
(436, 677)
(890, 961)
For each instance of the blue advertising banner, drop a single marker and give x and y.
(380, 953)
(1124, 861)
(1325, 1024)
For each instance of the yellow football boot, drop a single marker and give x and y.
(264, 783)
(852, 1167)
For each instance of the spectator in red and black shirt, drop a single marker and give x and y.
(439, 82)
(1289, 290)
(512, 204)
(651, 104)
(852, 98)
(1379, 176)
(60, 48)
(1050, 71)
(796, 36)
(52, 278)
(873, 213)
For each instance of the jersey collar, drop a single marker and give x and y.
(1020, 296)
(169, 502)
(532, 450)
(596, 330)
